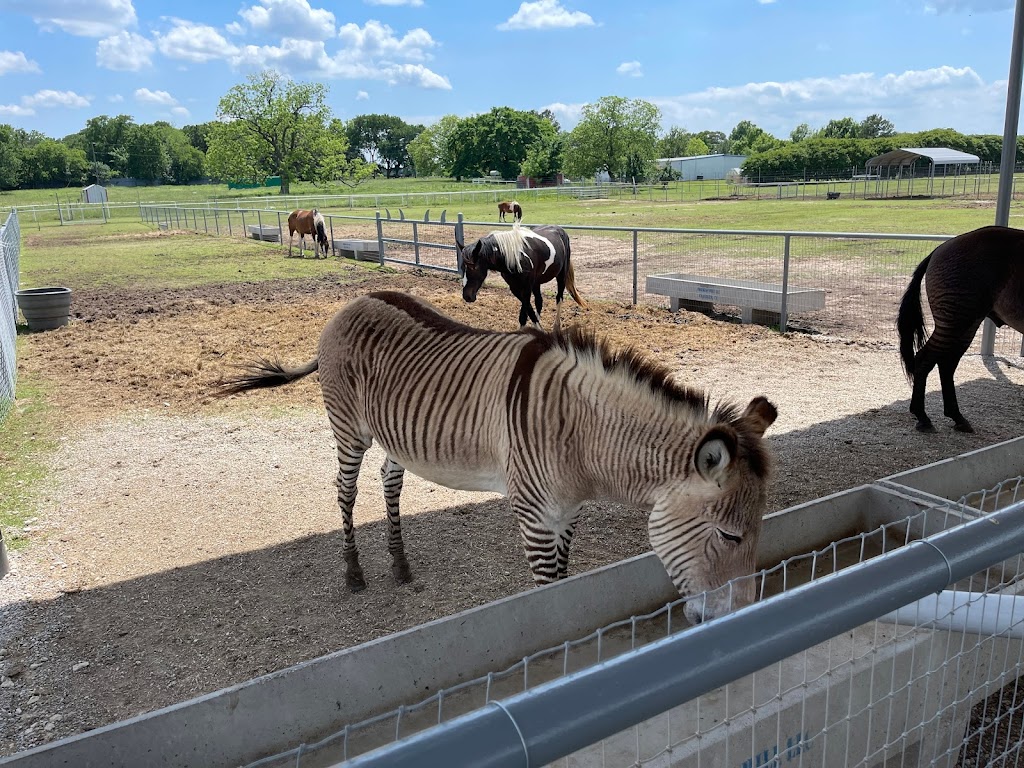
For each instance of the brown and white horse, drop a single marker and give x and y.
(308, 223)
(510, 206)
(526, 258)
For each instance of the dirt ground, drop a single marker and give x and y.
(184, 544)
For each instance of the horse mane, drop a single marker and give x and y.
(318, 218)
(512, 245)
(661, 381)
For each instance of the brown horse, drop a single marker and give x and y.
(975, 275)
(525, 258)
(308, 223)
(510, 206)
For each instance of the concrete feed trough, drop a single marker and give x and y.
(267, 233)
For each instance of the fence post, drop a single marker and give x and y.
(259, 223)
(380, 240)
(636, 266)
(245, 232)
(280, 232)
(460, 236)
(206, 226)
(783, 310)
(330, 223)
(416, 243)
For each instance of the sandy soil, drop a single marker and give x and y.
(184, 544)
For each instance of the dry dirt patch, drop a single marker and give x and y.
(185, 544)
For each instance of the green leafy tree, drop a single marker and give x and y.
(99, 173)
(616, 135)
(431, 151)
(548, 115)
(10, 158)
(271, 126)
(147, 157)
(498, 140)
(875, 127)
(104, 140)
(696, 147)
(545, 158)
(423, 155)
(335, 164)
(673, 143)
(383, 140)
(51, 163)
(199, 135)
(749, 139)
(714, 139)
(185, 162)
(843, 128)
(800, 133)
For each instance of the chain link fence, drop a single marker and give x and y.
(10, 252)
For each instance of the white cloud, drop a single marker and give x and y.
(15, 61)
(913, 100)
(194, 42)
(290, 18)
(125, 52)
(630, 69)
(234, 28)
(50, 98)
(362, 96)
(87, 18)
(567, 114)
(181, 112)
(16, 110)
(546, 14)
(967, 6)
(376, 40)
(765, 2)
(147, 96)
(117, 98)
(290, 56)
(411, 3)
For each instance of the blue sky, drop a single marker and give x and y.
(708, 65)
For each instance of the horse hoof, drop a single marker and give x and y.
(964, 426)
(356, 584)
(926, 427)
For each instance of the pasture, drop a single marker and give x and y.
(179, 544)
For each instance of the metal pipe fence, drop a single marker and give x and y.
(835, 665)
(840, 284)
(10, 253)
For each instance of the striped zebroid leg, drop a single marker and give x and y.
(350, 458)
(392, 474)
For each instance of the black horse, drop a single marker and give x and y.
(975, 275)
(525, 258)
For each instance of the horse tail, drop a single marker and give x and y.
(263, 374)
(910, 320)
(570, 275)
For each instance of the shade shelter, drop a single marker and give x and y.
(909, 157)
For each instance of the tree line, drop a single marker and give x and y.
(273, 126)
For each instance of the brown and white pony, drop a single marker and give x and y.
(510, 206)
(525, 258)
(308, 223)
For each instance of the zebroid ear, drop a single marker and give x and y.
(714, 454)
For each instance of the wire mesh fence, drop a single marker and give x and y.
(933, 683)
(846, 285)
(10, 253)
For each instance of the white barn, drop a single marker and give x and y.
(702, 166)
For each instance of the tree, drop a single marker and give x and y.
(199, 135)
(875, 127)
(382, 139)
(104, 140)
(548, 115)
(184, 161)
(52, 163)
(714, 139)
(545, 158)
(800, 133)
(749, 139)
(696, 147)
(147, 157)
(616, 135)
(498, 140)
(430, 151)
(10, 158)
(272, 126)
(843, 128)
(673, 143)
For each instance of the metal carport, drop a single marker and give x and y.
(936, 156)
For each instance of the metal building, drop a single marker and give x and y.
(905, 160)
(94, 193)
(702, 166)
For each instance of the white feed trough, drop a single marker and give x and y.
(362, 250)
(267, 233)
